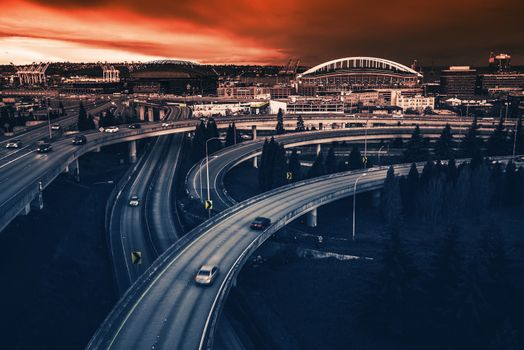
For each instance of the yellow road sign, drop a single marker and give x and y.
(208, 204)
(136, 257)
(289, 175)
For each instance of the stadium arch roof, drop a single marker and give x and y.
(360, 62)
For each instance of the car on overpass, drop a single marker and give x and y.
(134, 201)
(134, 126)
(79, 140)
(206, 274)
(14, 144)
(56, 127)
(110, 129)
(260, 223)
(44, 147)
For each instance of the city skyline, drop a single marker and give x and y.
(259, 32)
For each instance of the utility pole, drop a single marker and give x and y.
(355, 202)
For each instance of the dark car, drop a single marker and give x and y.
(134, 126)
(260, 223)
(79, 140)
(44, 147)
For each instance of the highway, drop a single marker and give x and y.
(41, 131)
(149, 228)
(165, 309)
(224, 160)
(24, 177)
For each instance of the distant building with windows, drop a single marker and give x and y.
(418, 102)
(458, 81)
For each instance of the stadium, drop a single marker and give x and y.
(173, 77)
(356, 74)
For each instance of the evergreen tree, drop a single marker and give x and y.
(390, 202)
(198, 146)
(497, 144)
(393, 303)
(263, 167)
(230, 135)
(294, 166)
(444, 281)
(212, 134)
(472, 144)
(61, 108)
(280, 122)
(82, 118)
(331, 161)
(300, 124)
(519, 141)
(444, 144)
(409, 190)
(415, 148)
(279, 167)
(355, 159)
(318, 168)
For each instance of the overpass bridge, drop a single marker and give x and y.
(26, 176)
(165, 309)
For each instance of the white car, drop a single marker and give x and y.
(111, 129)
(56, 127)
(14, 144)
(134, 201)
(206, 275)
(167, 125)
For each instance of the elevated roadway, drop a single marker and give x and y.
(165, 309)
(24, 177)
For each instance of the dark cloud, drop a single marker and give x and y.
(445, 31)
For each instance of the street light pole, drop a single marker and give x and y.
(355, 201)
(200, 176)
(515, 137)
(380, 149)
(49, 121)
(207, 167)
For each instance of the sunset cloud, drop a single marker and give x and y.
(271, 31)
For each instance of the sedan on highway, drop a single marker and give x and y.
(206, 275)
(167, 125)
(260, 223)
(44, 148)
(14, 144)
(134, 126)
(134, 201)
(111, 129)
(56, 127)
(79, 140)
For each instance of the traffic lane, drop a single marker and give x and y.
(221, 246)
(158, 206)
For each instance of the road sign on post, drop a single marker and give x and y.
(208, 204)
(365, 161)
(289, 175)
(136, 257)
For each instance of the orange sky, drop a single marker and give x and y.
(255, 31)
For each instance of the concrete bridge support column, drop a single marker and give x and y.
(141, 113)
(375, 198)
(132, 151)
(73, 169)
(319, 149)
(254, 131)
(150, 117)
(26, 210)
(38, 202)
(162, 114)
(311, 218)
(98, 149)
(255, 162)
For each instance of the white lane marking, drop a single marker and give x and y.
(14, 160)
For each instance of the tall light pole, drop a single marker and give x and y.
(506, 117)
(49, 120)
(380, 149)
(207, 167)
(515, 137)
(200, 176)
(355, 201)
